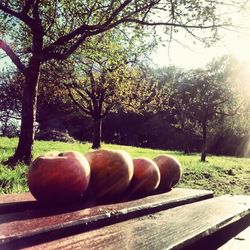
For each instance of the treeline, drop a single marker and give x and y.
(202, 110)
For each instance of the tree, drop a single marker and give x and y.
(34, 32)
(103, 80)
(171, 78)
(10, 102)
(204, 98)
(232, 133)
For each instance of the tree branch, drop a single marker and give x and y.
(88, 112)
(50, 54)
(87, 28)
(35, 11)
(20, 15)
(14, 58)
(27, 6)
(80, 93)
(133, 20)
(108, 109)
(78, 36)
(53, 18)
(117, 11)
(9, 11)
(234, 112)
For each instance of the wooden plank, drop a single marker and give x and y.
(33, 222)
(10, 203)
(241, 241)
(175, 228)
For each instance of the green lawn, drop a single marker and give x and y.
(223, 175)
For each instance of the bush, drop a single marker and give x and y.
(54, 135)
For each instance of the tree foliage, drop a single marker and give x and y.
(10, 102)
(106, 78)
(204, 98)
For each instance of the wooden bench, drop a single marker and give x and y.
(179, 219)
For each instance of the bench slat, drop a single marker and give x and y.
(39, 221)
(10, 203)
(170, 229)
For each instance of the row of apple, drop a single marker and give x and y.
(102, 173)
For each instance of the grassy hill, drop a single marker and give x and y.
(223, 175)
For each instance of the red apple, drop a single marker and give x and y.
(111, 172)
(170, 170)
(59, 177)
(146, 176)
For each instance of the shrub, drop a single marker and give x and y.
(54, 135)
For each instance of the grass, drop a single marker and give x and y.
(223, 175)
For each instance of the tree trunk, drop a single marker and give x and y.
(28, 115)
(23, 151)
(186, 149)
(5, 125)
(97, 132)
(186, 144)
(204, 141)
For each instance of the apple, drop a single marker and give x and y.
(111, 172)
(146, 176)
(58, 177)
(170, 170)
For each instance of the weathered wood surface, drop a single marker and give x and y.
(170, 229)
(239, 242)
(10, 203)
(17, 202)
(31, 222)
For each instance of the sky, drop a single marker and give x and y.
(198, 56)
(189, 55)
